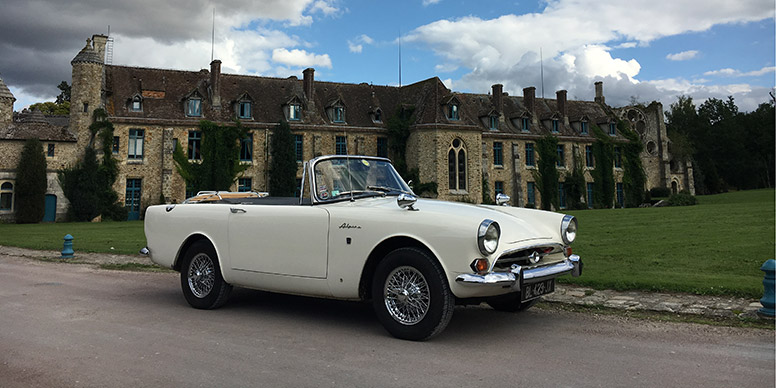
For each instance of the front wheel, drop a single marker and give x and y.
(201, 280)
(411, 296)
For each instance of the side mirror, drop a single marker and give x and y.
(405, 201)
(502, 200)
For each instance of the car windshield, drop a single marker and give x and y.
(339, 178)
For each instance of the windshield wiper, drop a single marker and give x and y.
(387, 189)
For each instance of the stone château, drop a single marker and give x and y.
(458, 140)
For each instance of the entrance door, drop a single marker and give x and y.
(132, 199)
(50, 213)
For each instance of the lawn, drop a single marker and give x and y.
(111, 237)
(715, 247)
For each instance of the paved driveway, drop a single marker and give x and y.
(72, 325)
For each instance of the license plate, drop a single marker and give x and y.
(535, 290)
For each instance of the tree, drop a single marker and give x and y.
(282, 171)
(64, 95)
(31, 183)
(51, 108)
(398, 127)
(88, 185)
(220, 163)
(575, 184)
(634, 178)
(546, 174)
(603, 152)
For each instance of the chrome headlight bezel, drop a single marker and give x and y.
(568, 229)
(488, 235)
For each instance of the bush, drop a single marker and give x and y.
(682, 198)
(31, 183)
(660, 192)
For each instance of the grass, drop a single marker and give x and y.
(124, 237)
(713, 248)
(135, 267)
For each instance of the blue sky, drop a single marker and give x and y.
(643, 49)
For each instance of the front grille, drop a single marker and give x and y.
(522, 256)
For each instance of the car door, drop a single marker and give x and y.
(278, 239)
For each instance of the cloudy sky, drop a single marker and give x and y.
(642, 49)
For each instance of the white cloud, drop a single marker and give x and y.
(736, 73)
(682, 56)
(576, 37)
(357, 45)
(445, 68)
(327, 8)
(300, 58)
(426, 3)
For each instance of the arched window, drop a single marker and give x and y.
(456, 163)
(6, 196)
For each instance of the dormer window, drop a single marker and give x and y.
(137, 104)
(583, 127)
(525, 124)
(244, 109)
(194, 107)
(378, 116)
(555, 126)
(493, 120)
(612, 129)
(339, 114)
(453, 111)
(294, 112)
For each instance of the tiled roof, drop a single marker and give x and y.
(4, 91)
(42, 131)
(87, 54)
(164, 93)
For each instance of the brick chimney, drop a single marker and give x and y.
(308, 84)
(529, 98)
(560, 95)
(498, 97)
(215, 83)
(599, 92)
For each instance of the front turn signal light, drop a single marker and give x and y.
(480, 265)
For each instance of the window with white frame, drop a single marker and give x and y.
(135, 144)
(137, 104)
(194, 107)
(456, 162)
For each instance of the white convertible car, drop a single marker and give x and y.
(361, 234)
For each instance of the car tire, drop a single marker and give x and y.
(510, 303)
(411, 296)
(201, 280)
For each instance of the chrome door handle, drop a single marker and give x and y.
(236, 210)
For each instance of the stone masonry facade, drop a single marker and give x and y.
(458, 140)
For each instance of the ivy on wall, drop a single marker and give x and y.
(31, 183)
(282, 172)
(603, 174)
(398, 127)
(634, 178)
(575, 184)
(546, 173)
(220, 164)
(88, 186)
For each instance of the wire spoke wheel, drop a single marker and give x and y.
(201, 275)
(407, 296)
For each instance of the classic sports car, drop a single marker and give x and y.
(361, 234)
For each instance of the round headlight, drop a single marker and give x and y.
(568, 229)
(487, 236)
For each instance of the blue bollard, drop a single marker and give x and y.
(769, 299)
(67, 247)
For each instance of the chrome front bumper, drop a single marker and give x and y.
(518, 275)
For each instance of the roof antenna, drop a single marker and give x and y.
(541, 64)
(213, 37)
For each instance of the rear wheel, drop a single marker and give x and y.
(411, 296)
(510, 303)
(201, 280)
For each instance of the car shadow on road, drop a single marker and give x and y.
(355, 316)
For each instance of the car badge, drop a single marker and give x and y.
(534, 257)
